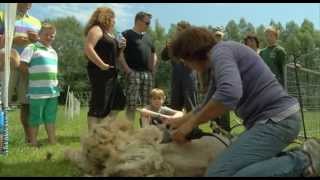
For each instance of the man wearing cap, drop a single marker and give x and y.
(218, 33)
(274, 55)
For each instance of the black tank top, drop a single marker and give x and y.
(106, 48)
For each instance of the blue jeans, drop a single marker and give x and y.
(255, 152)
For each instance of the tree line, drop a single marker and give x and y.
(301, 42)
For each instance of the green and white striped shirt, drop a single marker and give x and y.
(43, 71)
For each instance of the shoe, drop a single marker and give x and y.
(312, 148)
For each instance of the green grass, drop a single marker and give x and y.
(24, 160)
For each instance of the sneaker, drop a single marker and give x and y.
(312, 148)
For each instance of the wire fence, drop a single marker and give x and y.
(83, 97)
(72, 105)
(308, 82)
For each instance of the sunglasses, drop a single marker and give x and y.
(147, 23)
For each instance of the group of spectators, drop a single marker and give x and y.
(238, 78)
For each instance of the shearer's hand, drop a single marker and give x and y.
(179, 135)
(173, 122)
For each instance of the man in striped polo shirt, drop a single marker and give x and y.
(26, 32)
(40, 61)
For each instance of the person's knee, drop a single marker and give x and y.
(223, 167)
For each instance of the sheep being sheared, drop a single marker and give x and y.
(114, 148)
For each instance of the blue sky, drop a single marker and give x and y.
(215, 14)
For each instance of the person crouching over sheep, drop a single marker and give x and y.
(155, 111)
(270, 115)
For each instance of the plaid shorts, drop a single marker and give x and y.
(139, 85)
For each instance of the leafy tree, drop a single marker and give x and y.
(171, 31)
(232, 31)
(307, 26)
(273, 23)
(291, 28)
(159, 37)
(261, 36)
(242, 28)
(250, 28)
(292, 46)
(301, 42)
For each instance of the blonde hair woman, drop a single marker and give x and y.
(102, 51)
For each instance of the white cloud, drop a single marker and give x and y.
(82, 11)
(124, 15)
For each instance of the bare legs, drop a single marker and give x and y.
(50, 129)
(24, 112)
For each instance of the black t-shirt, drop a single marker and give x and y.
(138, 50)
(107, 50)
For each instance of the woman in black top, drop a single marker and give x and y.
(102, 51)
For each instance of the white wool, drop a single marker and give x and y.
(139, 160)
(192, 159)
(114, 148)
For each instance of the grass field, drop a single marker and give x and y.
(23, 160)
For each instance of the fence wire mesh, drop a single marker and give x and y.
(309, 82)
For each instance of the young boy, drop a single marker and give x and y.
(153, 113)
(40, 61)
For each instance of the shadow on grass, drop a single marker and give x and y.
(63, 140)
(47, 168)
